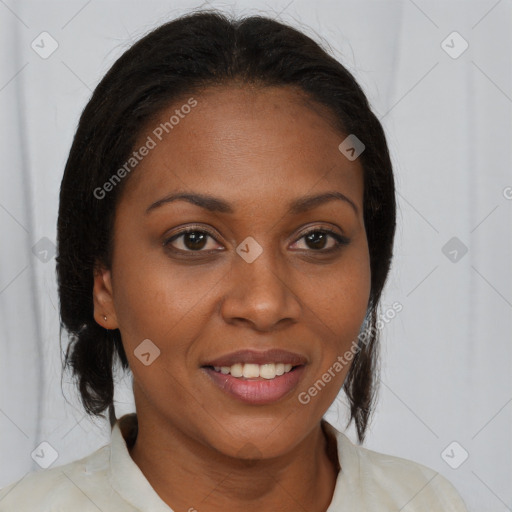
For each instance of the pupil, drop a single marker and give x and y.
(320, 237)
(197, 240)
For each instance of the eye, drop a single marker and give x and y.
(317, 239)
(192, 238)
(195, 239)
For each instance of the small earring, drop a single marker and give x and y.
(105, 318)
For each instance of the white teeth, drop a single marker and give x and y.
(251, 370)
(236, 370)
(267, 371)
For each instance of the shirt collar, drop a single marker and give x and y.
(125, 476)
(348, 495)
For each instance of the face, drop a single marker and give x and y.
(239, 270)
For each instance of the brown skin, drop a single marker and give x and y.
(257, 149)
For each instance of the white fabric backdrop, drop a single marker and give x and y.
(446, 371)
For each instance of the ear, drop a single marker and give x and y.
(103, 298)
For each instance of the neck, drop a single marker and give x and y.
(188, 475)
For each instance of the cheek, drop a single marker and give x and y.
(164, 302)
(339, 303)
(341, 296)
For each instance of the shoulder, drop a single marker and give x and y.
(72, 486)
(387, 482)
(411, 483)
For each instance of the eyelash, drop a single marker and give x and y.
(340, 240)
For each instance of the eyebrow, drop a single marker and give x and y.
(214, 204)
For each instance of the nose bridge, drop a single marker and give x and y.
(259, 289)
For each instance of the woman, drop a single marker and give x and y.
(225, 230)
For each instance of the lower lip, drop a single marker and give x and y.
(257, 391)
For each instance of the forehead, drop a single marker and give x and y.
(243, 142)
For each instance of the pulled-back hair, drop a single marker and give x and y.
(181, 57)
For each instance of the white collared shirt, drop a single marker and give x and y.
(108, 480)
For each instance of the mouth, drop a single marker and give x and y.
(257, 378)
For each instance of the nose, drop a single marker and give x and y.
(261, 294)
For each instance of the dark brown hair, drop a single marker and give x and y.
(183, 56)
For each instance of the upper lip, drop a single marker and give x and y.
(258, 357)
